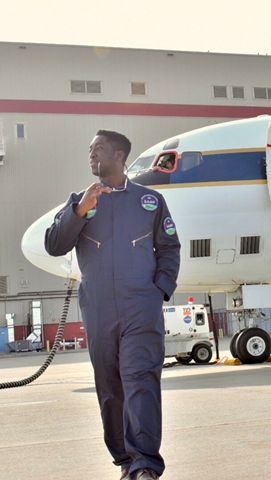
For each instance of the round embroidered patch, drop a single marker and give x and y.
(91, 213)
(169, 226)
(149, 202)
(58, 217)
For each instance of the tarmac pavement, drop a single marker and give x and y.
(216, 421)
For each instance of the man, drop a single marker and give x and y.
(128, 254)
(169, 165)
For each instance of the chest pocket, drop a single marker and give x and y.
(89, 253)
(143, 256)
(141, 238)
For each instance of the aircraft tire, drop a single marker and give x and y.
(233, 343)
(253, 345)
(202, 353)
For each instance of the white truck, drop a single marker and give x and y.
(187, 335)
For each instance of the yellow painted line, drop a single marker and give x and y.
(208, 184)
(234, 150)
(224, 152)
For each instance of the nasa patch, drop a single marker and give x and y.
(91, 213)
(149, 202)
(187, 319)
(169, 226)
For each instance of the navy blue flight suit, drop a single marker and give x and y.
(128, 254)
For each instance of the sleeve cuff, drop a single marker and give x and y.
(167, 285)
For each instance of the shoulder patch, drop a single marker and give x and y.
(149, 202)
(58, 217)
(169, 226)
(91, 213)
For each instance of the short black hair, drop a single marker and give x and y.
(119, 141)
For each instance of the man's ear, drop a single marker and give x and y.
(119, 155)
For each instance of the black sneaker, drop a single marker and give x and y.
(146, 475)
(125, 474)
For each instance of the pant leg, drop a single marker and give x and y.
(102, 327)
(141, 361)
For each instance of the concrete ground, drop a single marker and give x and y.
(216, 421)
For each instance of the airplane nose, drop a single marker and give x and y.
(34, 250)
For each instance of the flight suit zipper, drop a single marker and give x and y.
(140, 238)
(92, 239)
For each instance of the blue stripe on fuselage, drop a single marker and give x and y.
(224, 167)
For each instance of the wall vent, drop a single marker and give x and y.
(200, 248)
(94, 87)
(250, 245)
(3, 285)
(138, 88)
(238, 92)
(260, 93)
(220, 92)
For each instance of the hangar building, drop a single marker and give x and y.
(54, 98)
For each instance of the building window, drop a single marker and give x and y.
(20, 130)
(238, 92)
(138, 88)
(220, 91)
(86, 86)
(261, 93)
(94, 87)
(78, 86)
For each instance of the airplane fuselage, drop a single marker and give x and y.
(218, 196)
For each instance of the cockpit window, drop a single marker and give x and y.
(166, 162)
(142, 163)
(190, 160)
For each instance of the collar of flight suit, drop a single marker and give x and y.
(127, 189)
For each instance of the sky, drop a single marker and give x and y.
(229, 26)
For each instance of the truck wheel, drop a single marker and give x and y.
(184, 360)
(202, 353)
(253, 345)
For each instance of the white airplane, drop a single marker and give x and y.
(216, 182)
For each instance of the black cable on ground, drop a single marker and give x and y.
(49, 359)
(174, 364)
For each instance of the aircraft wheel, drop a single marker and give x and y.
(253, 345)
(233, 343)
(184, 360)
(202, 353)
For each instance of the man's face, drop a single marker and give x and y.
(102, 156)
(169, 165)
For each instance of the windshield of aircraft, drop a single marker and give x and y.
(142, 163)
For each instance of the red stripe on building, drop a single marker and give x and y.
(133, 109)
